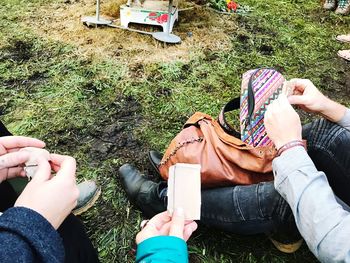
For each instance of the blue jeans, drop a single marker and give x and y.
(258, 208)
(248, 209)
(329, 149)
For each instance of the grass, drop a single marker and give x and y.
(105, 110)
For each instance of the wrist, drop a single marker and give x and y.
(332, 110)
(289, 145)
(280, 143)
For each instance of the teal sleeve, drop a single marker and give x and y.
(162, 249)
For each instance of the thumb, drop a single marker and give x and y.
(67, 169)
(296, 100)
(177, 223)
(43, 172)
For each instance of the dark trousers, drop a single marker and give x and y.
(77, 245)
(328, 146)
(249, 209)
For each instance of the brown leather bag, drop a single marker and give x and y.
(224, 159)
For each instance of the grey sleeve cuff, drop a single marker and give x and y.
(289, 163)
(345, 121)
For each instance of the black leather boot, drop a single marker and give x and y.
(142, 192)
(155, 158)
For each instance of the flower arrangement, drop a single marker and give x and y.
(224, 5)
(231, 6)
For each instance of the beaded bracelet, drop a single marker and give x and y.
(289, 145)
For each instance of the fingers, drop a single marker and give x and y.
(54, 167)
(57, 159)
(13, 159)
(158, 225)
(14, 172)
(64, 165)
(177, 223)
(164, 230)
(43, 172)
(281, 104)
(160, 220)
(189, 229)
(299, 84)
(67, 170)
(10, 142)
(297, 100)
(146, 233)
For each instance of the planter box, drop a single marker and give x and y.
(150, 13)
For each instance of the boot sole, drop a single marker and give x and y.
(89, 204)
(287, 248)
(342, 41)
(343, 57)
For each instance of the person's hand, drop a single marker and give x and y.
(10, 157)
(53, 197)
(165, 225)
(306, 95)
(310, 99)
(282, 123)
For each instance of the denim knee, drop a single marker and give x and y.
(259, 202)
(329, 139)
(271, 203)
(323, 134)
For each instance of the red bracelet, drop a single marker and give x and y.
(289, 145)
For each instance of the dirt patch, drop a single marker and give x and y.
(113, 136)
(345, 81)
(338, 88)
(198, 28)
(16, 50)
(266, 49)
(26, 84)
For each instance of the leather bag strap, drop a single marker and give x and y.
(232, 105)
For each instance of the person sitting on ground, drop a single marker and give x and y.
(345, 54)
(89, 191)
(28, 229)
(251, 209)
(342, 7)
(241, 209)
(320, 206)
(37, 226)
(162, 239)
